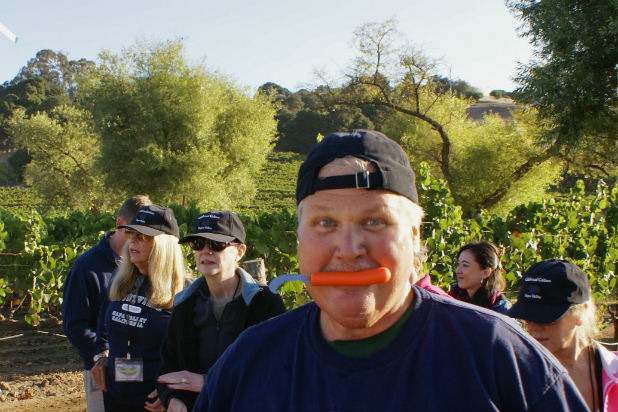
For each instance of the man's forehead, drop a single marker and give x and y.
(345, 200)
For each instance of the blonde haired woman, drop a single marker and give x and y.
(133, 322)
(554, 302)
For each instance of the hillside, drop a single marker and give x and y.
(276, 184)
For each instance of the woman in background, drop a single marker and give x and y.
(134, 320)
(555, 303)
(479, 277)
(213, 310)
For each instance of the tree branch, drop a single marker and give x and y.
(599, 168)
(501, 191)
(446, 142)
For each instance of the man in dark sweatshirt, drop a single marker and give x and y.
(84, 287)
(371, 339)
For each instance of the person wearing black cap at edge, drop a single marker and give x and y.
(555, 303)
(213, 310)
(372, 340)
(133, 321)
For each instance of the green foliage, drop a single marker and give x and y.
(573, 81)
(274, 92)
(18, 161)
(483, 155)
(78, 225)
(443, 228)
(7, 175)
(55, 68)
(33, 268)
(31, 95)
(483, 163)
(577, 228)
(301, 118)
(63, 150)
(37, 251)
(298, 131)
(175, 131)
(272, 237)
(461, 88)
(47, 81)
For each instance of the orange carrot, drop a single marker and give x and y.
(361, 277)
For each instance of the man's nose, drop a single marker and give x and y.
(351, 243)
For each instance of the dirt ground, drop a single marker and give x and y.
(39, 369)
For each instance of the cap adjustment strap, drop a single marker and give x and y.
(359, 180)
(364, 177)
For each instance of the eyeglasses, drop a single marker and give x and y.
(132, 233)
(199, 243)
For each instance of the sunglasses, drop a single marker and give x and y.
(132, 233)
(199, 243)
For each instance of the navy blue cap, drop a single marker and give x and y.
(548, 289)
(153, 220)
(393, 171)
(217, 225)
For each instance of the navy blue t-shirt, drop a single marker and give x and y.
(134, 320)
(449, 356)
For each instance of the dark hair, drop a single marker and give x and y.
(487, 256)
(129, 207)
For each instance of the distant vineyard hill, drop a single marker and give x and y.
(18, 200)
(276, 183)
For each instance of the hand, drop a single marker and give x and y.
(99, 370)
(176, 405)
(183, 380)
(156, 405)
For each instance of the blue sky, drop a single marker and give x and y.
(280, 41)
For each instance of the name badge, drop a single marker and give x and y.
(131, 308)
(129, 370)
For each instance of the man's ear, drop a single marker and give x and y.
(242, 248)
(120, 221)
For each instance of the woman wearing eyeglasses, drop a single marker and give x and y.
(132, 323)
(213, 310)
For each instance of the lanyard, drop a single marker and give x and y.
(138, 284)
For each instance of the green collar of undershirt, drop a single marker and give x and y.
(363, 348)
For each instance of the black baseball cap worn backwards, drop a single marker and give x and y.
(217, 225)
(548, 289)
(393, 171)
(154, 220)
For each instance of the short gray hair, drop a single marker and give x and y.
(414, 211)
(129, 207)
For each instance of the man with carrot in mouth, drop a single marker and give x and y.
(371, 340)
